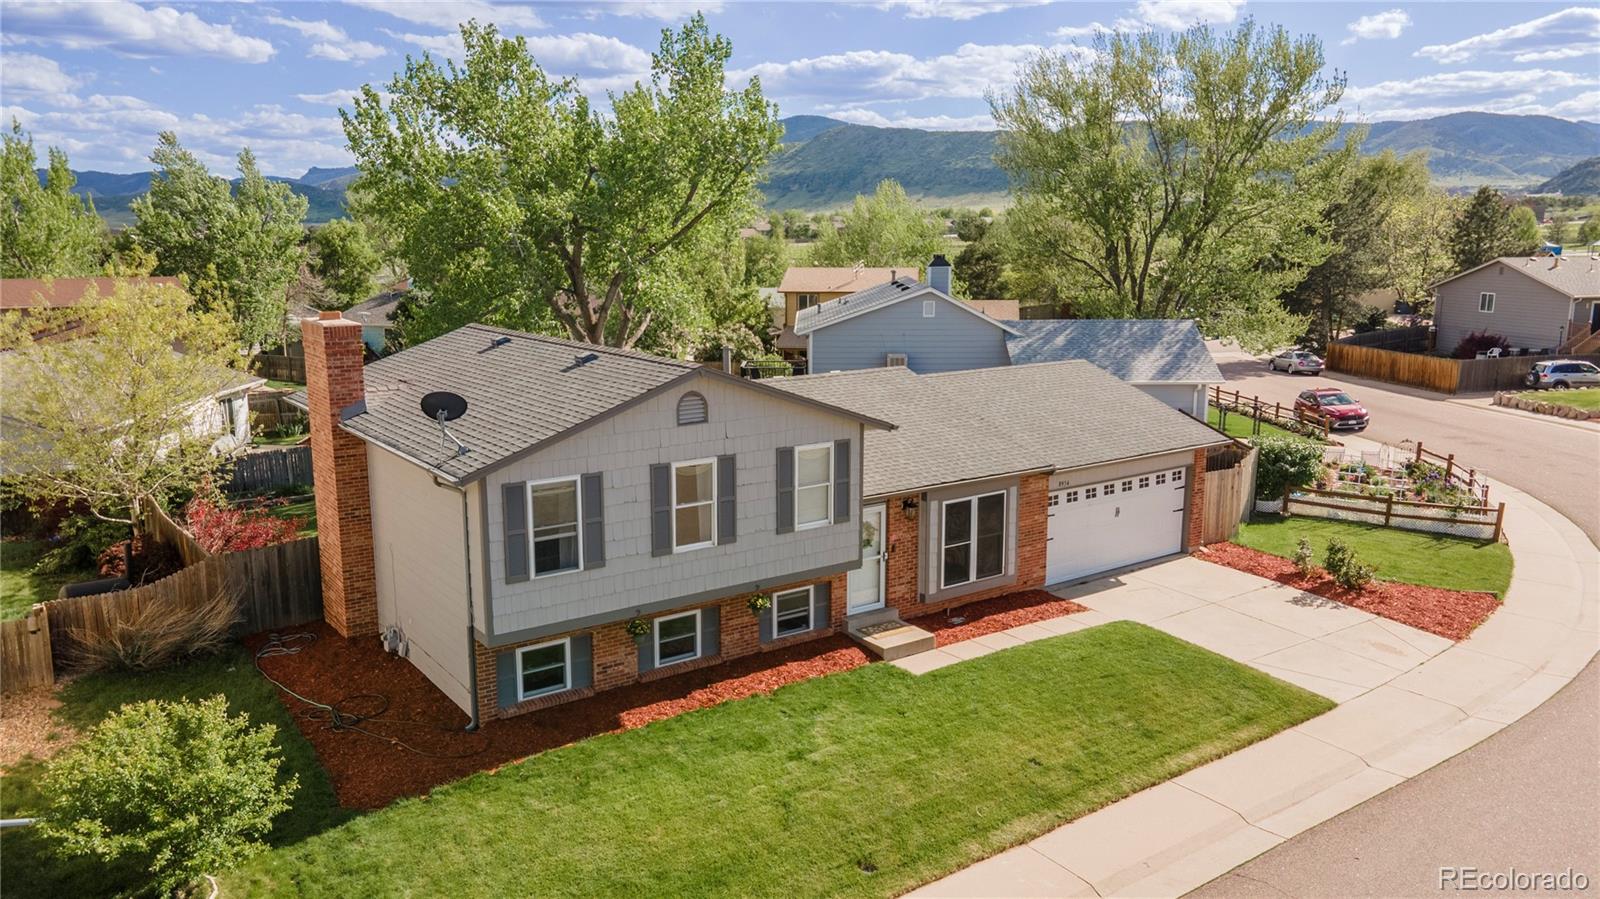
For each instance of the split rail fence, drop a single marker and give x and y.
(1254, 407)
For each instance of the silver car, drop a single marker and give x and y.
(1293, 361)
(1563, 373)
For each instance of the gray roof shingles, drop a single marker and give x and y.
(966, 425)
(814, 317)
(1132, 349)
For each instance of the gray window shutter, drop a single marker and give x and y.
(580, 658)
(785, 489)
(647, 651)
(710, 631)
(514, 506)
(767, 623)
(841, 481)
(505, 678)
(727, 500)
(660, 510)
(821, 605)
(594, 522)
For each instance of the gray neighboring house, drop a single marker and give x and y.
(1166, 358)
(1538, 303)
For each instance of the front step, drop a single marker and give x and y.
(886, 636)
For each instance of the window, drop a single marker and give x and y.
(928, 308)
(813, 485)
(677, 638)
(694, 504)
(791, 612)
(1161, 478)
(974, 538)
(1091, 492)
(1127, 486)
(1071, 495)
(692, 409)
(1055, 500)
(1110, 488)
(1485, 302)
(542, 669)
(805, 301)
(555, 526)
(1177, 476)
(1144, 482)
(229, 424)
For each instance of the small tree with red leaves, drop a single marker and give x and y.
(220, 528)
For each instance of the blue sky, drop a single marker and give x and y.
(100, 79)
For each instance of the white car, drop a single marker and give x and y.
(1293, 361)
(1561, 374)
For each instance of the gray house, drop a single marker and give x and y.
(1540, 303)
(1166, 358)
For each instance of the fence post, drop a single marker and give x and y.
(1499, 522)
(1388, 509)
(1449, 466)
(1419, 452)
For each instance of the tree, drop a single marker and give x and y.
(970, 225)
(766, 258)
(979, 270)
(705, 302)
(1558, 228)
(885, 229)
(1524, 232)
(107, 420)
(1416, 245)
(1589, 231)
(238, 246)
(1180, 176)
(517, 203)
(344, 257)
(1485, 230)
(46, 231)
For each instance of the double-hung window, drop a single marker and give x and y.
(543, 669)
(813, 485)
(694, 504)
(677, 638)
(974, 539)
(791, 612)
(1486, 302)
(556, 547)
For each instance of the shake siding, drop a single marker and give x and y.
(953, 340)
(622, 448)
(1526, 313)
(421, 570)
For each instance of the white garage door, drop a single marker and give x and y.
(1097, 527)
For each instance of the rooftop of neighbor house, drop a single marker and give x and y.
(1576, 276)
(522, 391)
(876, 297)
(966, 425)
(812, 279)
(1136, 350)
(61, 293)
(378, 310)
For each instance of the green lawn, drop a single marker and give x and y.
(865, 783)
(1454, 563)
(20, 588)
(1586, 398)
(280, 440)
(27, 866)
(305, 508)
(275, 384)
(1244, 427)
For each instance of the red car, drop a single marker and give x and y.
(1342, 412)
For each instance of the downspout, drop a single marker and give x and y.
(472, 640)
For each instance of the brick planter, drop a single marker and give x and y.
(1514, 401)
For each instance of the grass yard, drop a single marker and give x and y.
(29, 868)
(279, 440)
(865, 783)
(1587, 398)
(1433, 560)
(1243, 426)
(275, 384)
(20, 588)
(305, 508)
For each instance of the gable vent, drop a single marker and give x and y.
(692, 409)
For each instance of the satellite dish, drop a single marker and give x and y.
(442, 405)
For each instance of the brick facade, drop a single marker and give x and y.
(1195, 527)
(339, 465)
(616, 658)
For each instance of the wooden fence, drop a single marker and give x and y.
(1435, 373)
(158, 525)
(269, 409)
(25, 658)
(280, 367)
(1406, 339)
(1229, 493)
(1255, 408)
(1478, 522)
(269, 469)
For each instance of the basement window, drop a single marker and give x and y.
(543, 669)
(792, 612)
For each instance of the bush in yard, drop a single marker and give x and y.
(220, 528)
(160, 633)
(152, 560)
(1304, 559)
(1347, 570)
(1284, 462)
(178, 788)
(1479, 342)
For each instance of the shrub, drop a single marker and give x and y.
(1284, 462)
(1479, 342)
(220, 528)
(1304, 560)
(1347, 570)
(161, 633)
(77, 543)
(178, 788)
(152, 560)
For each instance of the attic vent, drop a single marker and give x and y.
(928, 308)
(586, 358)
(692, 409)
(499, 341)
(893, 359)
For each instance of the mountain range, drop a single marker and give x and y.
(825, 162)
(1583, 178)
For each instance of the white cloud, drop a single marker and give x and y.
(347, 51)
(1068, 32)
(879, 76)
(1176, 15)
(582, 54)
(1574, 29)
(1382, 25)
(959, 10)
(37, 77)
(860, 116)
(321, 30)
(126, 27)
(330, 98)
(662, 10)
(1524, 92)
(451, 13)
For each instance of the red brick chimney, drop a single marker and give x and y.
(339, 465)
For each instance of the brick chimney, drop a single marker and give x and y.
(339, 465)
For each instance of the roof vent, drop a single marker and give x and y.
(585, 359)
(498, 341)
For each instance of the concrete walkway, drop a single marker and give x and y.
(1407, 701)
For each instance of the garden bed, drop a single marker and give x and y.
(994, 615)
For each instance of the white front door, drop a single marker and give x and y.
(1097, 527)
(866, 582)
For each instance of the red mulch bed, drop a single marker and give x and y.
(1452, 614)
(995, 615)
(371, 771)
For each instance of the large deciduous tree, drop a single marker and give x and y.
(1416, 245)
(345, 258)
(239, 246)
(517, 202)
(46, 231)
(1487, 229)
(1181, 176)
(885, 229)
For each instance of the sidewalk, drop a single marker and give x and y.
(1408, 701)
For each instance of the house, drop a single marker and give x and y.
(599, 517)
(921, 326)
(1540, 303)
(803, 287)
(30, 296)
(377, 317)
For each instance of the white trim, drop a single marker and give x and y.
(811, 611)
(712, 502)
(867, 509)
(827, 518)
(1484, 295)
(929, 308)
(656, 646)
(566, 668)
(577, 495)
(972, 537)
(901, 299)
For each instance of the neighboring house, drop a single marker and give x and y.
(376, 316)
(1166, 358)
(1538, 303)
(806, 286)
(24, 296)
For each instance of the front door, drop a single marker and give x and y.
(866, 582)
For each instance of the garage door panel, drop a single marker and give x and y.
(1097, 527)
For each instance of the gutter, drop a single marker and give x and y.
(472, 644)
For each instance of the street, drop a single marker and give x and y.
(1524, 798)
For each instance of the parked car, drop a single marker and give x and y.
(1342, 412)
(1293, 361)
(1563, 373)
